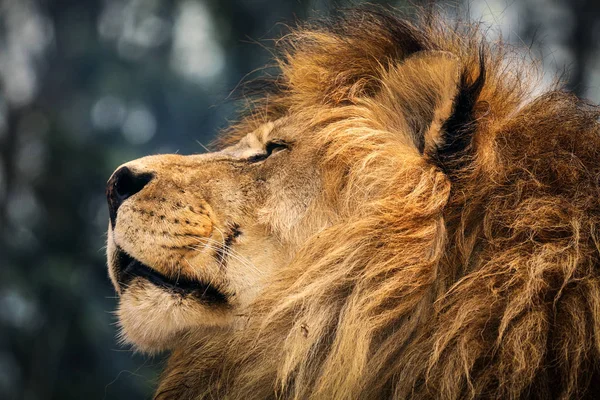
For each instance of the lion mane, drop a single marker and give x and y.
(473, 274)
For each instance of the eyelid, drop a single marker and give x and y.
(274, 145)
(270, 147)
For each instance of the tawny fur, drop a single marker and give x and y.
(454, 275)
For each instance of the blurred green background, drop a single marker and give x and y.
(86, 85)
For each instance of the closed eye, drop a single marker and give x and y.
(271, 148)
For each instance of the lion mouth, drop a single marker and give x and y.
(129, 268)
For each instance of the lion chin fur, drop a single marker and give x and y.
(472, 274)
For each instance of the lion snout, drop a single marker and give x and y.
(123, 184)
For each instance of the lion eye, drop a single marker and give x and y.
(270, 149)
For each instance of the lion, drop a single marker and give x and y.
(397, 214)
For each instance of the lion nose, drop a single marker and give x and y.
(123, 184)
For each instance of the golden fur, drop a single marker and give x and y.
(449, 247)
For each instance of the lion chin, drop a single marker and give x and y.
(396, 217)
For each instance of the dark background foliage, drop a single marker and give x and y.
(88, 84)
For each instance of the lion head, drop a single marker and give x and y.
(395, 216)
(192, 239)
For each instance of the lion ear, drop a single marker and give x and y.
(423, 87)
(435, 97)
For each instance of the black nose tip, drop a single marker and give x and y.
(123, 184)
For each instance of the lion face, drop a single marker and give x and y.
(192, 238)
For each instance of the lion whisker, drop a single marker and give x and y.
(245, 262)
(228, 252)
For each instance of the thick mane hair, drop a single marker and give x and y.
(465, 265)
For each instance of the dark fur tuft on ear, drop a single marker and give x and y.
(453, 154)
